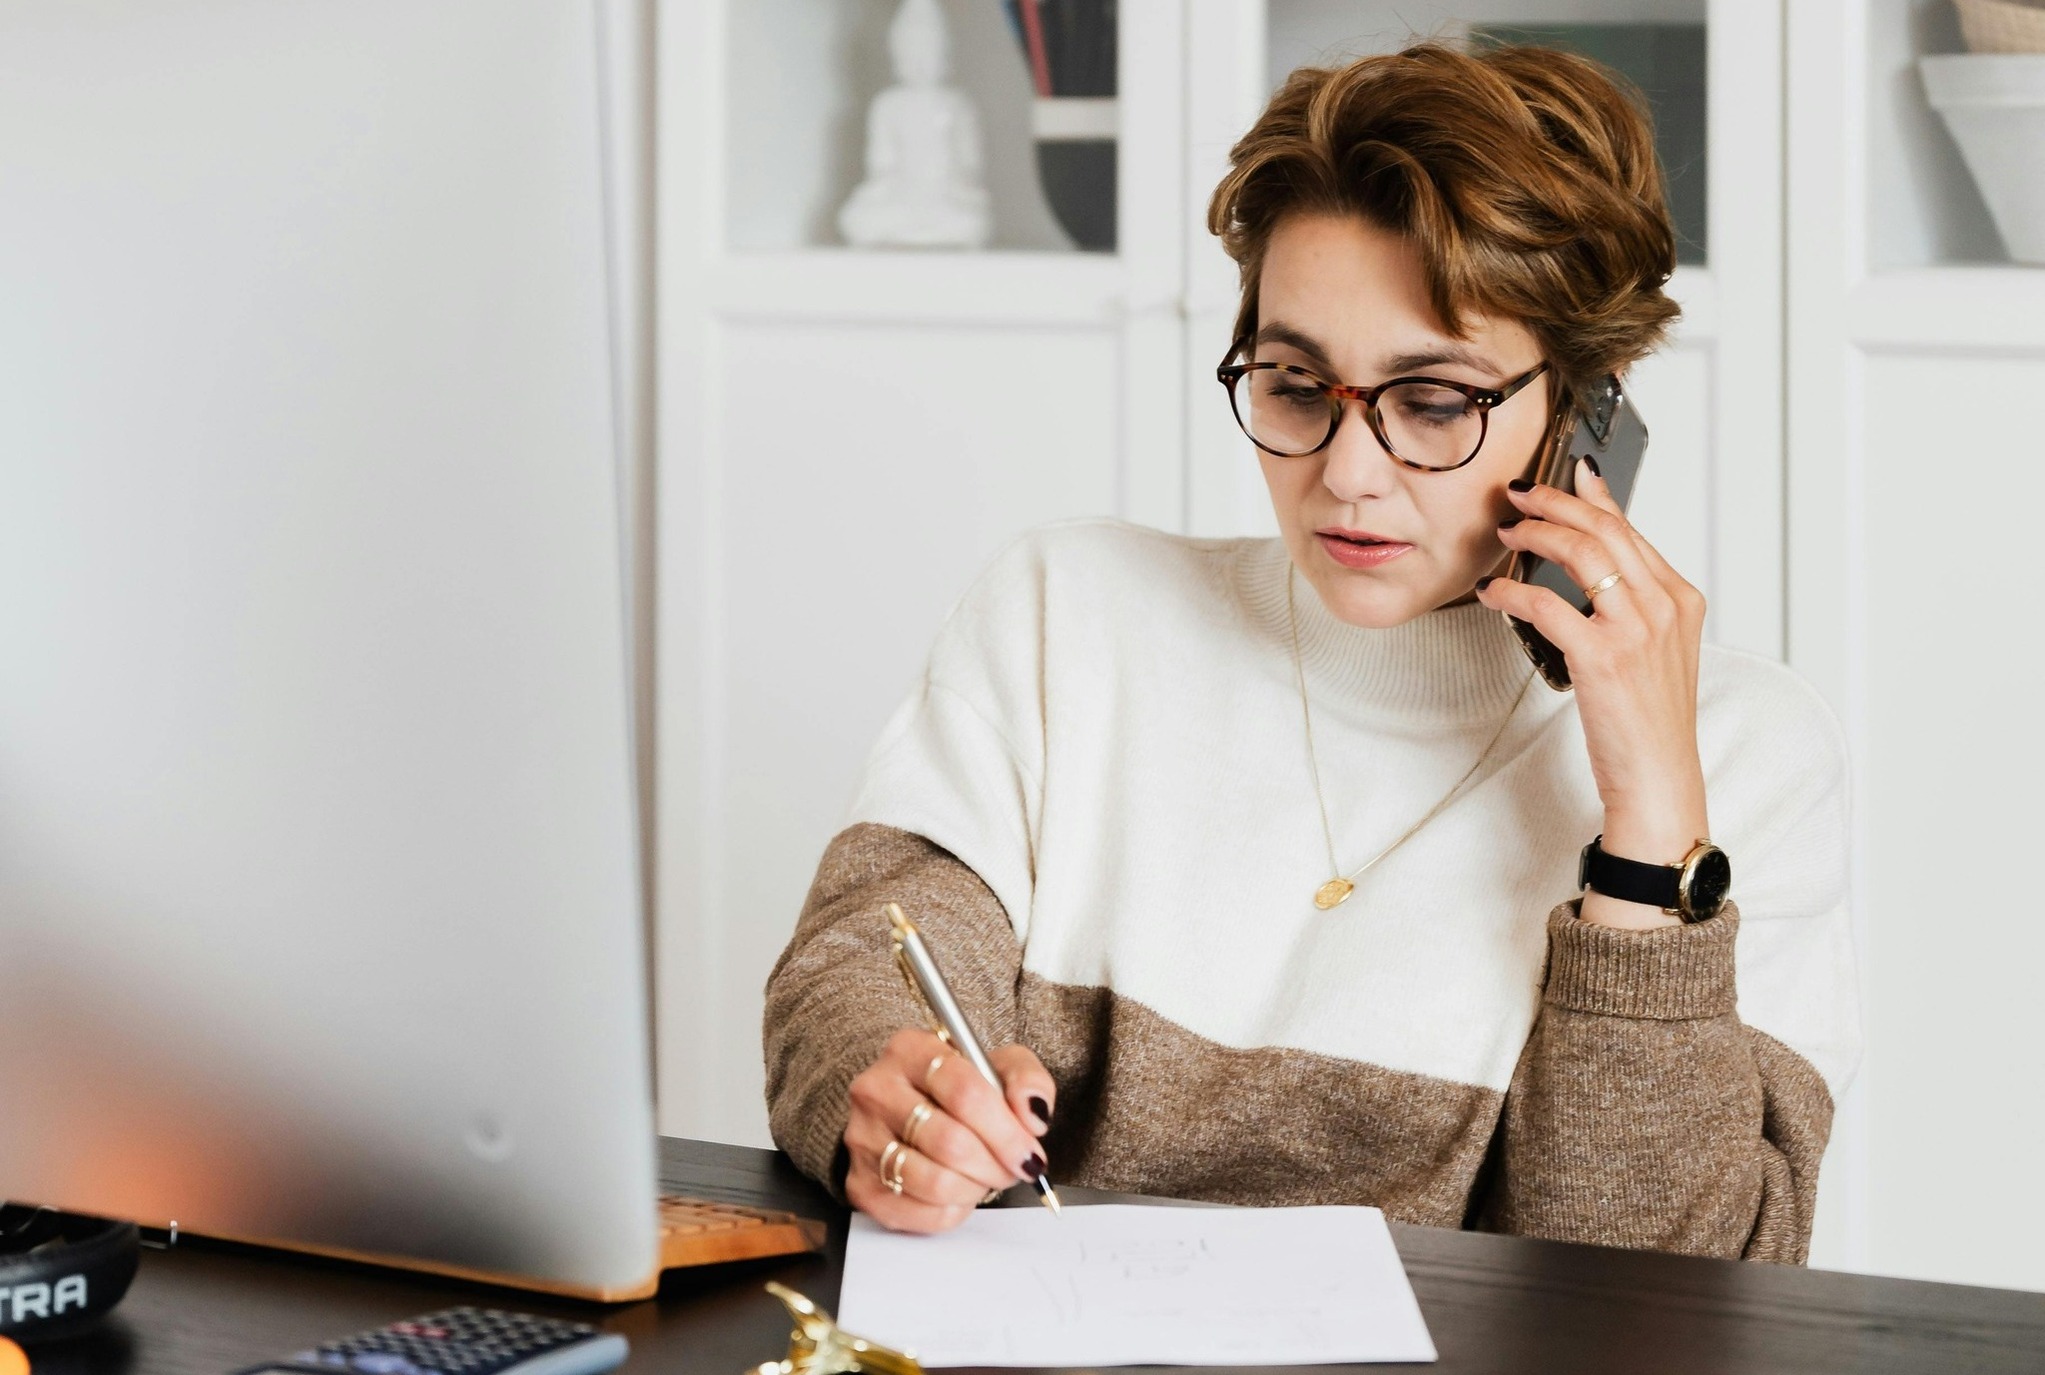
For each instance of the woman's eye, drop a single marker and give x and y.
(1431, 405)
(1295, 395)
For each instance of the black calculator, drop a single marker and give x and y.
(461, 1341)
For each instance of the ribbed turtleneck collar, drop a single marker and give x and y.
(1453, 664)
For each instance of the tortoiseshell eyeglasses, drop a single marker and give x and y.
(1428, 423)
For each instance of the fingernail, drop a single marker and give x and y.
(1033, 1167)
(1592, 464)
(1520, 484)
(1485, 582)
(1508, 524)
(1042, 1110)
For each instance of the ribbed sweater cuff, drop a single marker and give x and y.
(1669, 974)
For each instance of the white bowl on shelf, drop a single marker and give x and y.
(1994, 104)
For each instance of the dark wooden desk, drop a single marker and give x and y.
(1493, 1304)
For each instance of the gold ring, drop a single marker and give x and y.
(989, 1197)
(895, 1175)
(1590, 594)
(891, 1155)
(930, 1072)
(918, 1115)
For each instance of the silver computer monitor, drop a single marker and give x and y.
(320, 908)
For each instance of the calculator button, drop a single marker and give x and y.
(382, 1363)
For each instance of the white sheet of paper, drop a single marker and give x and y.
(1116, 1284)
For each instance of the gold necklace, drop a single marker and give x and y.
(1336, 891)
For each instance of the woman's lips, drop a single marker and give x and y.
(1351, 554)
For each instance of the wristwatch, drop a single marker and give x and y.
(1693, 890)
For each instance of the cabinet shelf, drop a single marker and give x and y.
(850, 285)
(1992, 308)
(921, 287)
(795, 128)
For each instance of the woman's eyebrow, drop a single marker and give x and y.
(1447, 353)
(1278, 332)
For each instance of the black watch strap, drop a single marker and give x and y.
(1655, 885)
(1629, 880)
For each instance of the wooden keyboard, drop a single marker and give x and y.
(697, 1231)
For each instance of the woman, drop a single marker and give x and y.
(1142, 770)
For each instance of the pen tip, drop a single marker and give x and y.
(1049, 1195)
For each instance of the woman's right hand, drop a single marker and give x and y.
(976, 1137)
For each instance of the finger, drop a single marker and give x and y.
(961, 1090)
(1592, 485)
(882, 1101)
(929, 1182)
(922, 1178)
(1568, 629)
(933, 1181)
(1031, 1092)
(1584, 557)
(900, 1213)
(1608, 527)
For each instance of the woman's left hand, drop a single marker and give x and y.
(1634, 663)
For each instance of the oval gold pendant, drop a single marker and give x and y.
(1331, 893)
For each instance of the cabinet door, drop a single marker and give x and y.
(1917, 352)
(847, 437)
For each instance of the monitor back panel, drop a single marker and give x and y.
(319, 900)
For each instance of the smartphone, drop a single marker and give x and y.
(1605, 426)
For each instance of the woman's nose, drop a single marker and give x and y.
(1357, 465)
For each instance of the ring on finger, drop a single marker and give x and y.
(891, 1158)
(918, 1115)
(930, 1071)
(1590, 594)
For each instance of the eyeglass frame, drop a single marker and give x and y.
(1486, 399)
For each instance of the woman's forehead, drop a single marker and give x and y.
(1348, 294)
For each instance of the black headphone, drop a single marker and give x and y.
(59, 1271)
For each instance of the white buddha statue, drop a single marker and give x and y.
(922, 187)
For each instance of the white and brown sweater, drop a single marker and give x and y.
(1097, 804)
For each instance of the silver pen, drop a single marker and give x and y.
(921, 971)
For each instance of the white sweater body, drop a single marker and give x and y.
(1109, 733)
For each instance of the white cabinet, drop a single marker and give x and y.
(846, 437)
(1915, 361)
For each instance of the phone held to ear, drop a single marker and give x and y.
(1607, 428)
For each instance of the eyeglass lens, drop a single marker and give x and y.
(1428, 425)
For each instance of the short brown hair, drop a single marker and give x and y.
(1525, 176)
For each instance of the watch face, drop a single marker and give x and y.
(1710, 881)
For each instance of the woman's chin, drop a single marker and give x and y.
(1373, 603)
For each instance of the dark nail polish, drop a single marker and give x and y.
(1520, 484)
(1508, 524)
(1042, 1110)
(1592, 464)
(1033, 1167)
(1485, 582)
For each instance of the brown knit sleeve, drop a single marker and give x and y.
(835, 996)
(1644, 1113)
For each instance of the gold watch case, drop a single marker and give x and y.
(1691, 872)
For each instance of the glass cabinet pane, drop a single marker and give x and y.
(1658, 44)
